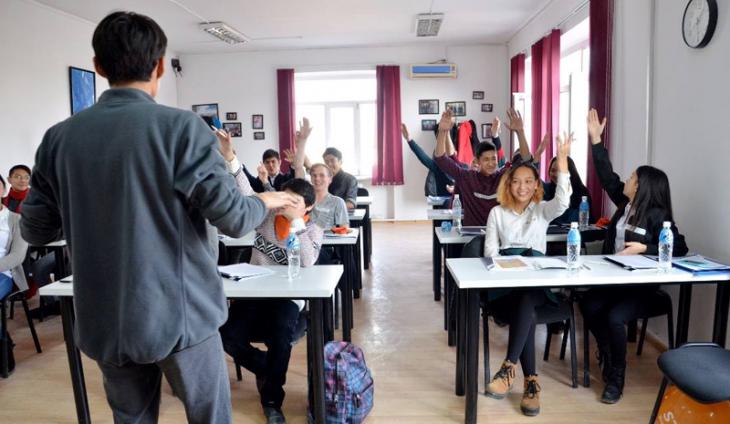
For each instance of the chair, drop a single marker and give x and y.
(546, 314)
(4, 337)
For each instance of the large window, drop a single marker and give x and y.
(341, 109)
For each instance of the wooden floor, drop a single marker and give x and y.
(400, 328)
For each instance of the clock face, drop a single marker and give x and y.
(699, 21)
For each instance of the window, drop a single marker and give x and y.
(340, 107)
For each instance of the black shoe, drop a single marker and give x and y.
(274, 415)
(615, 386)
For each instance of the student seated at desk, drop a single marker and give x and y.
(579, 190)
(643, 203)
(518, 227)
(273, 321)
(269, 176)
(343, 185)
(19, 179)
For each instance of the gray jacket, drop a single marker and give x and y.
(16, 248)
(132, 184)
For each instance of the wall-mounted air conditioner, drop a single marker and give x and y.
(433, 70)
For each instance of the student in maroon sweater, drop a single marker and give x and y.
(478, 188)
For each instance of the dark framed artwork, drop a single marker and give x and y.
(82, 85)
(477, 95)
(233, 128)
(486, 131)
(209, 113)
(231, 116)
(428, 124)
(428, 107)
(258, 135)
(257, 123)
(457, 108)
(487, 107)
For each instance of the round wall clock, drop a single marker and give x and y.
(698, 24)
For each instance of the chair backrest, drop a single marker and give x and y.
(474, 248)
(361, 191)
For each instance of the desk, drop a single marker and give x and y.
(357, 220)
(437, 216)
(367, 236)
(471, 276)
(58, 248)
(314, 285)
(437, 200)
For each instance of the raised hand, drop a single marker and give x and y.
(542, 146)
(404, 131)
(496, 126)
(304, 131)
(447, 120)
(564, 142)
(225, 144)
(515, 121)
(595, 126)
(289, 155)
(263, 173)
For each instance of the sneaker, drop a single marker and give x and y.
(614, 386)
(530, 404)
(274, 415)
(502, 382)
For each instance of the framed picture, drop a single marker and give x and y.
(457, 108)
(486, 131)
(233, 128)
(82, 85)
(209, 113)
(231, 116)
(258, 135)
(428, 124)
(477, 95)
(487, 107)
(428, 107)
(257, 123)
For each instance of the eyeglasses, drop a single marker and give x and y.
(21, 177)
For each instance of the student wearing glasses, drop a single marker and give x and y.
(19, 179)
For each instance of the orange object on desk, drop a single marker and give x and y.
(603, 222)
(340, 230)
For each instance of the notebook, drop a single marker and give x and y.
(632, 262)
(243, 270)
(698, 264)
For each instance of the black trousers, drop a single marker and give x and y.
(273, 322)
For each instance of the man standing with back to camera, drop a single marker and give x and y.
(131, 183)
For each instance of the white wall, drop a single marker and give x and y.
(246, 83)
(39, 44)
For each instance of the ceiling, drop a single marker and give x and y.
(290, 24)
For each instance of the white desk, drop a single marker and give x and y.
(364, 201)
(314, 284)
(471, 276)
(437, 200)
(356, 214)
(440, 214)
(247, 240)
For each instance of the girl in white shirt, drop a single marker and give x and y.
(518, 226)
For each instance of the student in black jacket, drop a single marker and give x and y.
(270, 177)
(643, 204)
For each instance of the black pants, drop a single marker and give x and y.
(273, 322)
(607, 310)
(518, 309)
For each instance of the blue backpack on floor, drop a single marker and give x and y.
(348, 385)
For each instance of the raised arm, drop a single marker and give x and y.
(516, 124)
(558, 204)
(225, 145)
(298, 156)
(610, 181)
(443, 137)
(421, 155)
(496, 127)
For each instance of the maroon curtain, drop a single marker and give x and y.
(545, 94)
(286, 106)
(388, 164)
(517, 85)
(599, 84)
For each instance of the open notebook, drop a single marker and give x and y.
(243, 270)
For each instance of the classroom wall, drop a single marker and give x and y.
(39, 44)
(246, 83)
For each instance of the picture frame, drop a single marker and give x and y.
(82, 88)
(235, 129)
(259, 135)
(486, 131)
(428, 124)
(457, 108)
(477, 95)
(428, 107)
(487, 107)
(209, 113)
(257, 122)
(231, 116)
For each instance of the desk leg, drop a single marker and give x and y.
(685, 300)
(367, 237)
(460, 341)
(316, 340)
(722, 304)
(436, 246)
(450, 303)
(74, 361)
(471, 376)
(357, 282)
(346, 296)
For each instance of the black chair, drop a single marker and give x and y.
(4, 337)
(547, 314)
(699, 370)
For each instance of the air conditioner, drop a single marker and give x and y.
(433, 70)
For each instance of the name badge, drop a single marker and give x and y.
(638, 230)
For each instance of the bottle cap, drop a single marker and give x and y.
(573, 225)
(297, 225)
(584, 198)
(667, 224)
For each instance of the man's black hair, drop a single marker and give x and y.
(334, 152)
(270, 153)
(485, 146)
(17, 167)
(302, 188)
(127, 46)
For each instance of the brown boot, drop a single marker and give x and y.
(502, 382)
(530, 404)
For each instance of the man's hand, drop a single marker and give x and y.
(541, 147)
(450, 188)
(225, 144)
(277, 199)
(303, 133)
(564, 144)
(633, 247)
(447, 121)
(515, 121)
(496, 126)
(404, 131)
(595, 126)
(263, 173)
(289, 155)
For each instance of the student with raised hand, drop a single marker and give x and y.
(518, 226)
(436, 180)
(643, 204)
(268, 173)
(478, 188)
(579, 190)
(19, 179)
(233, 165)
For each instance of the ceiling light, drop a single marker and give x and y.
(428, 24)
(223, 32)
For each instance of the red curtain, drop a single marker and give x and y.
(545, 94)
(517, 85)
(388, 164)
(286, 106)
(599, 84)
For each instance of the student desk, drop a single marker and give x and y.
(437, 216)
(471, 276)
(357, 220)
(315, 284)
(364, 202)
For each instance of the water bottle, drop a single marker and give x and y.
(666, 245)
(456, 213)
(583, 213)
(573, 247)
(293, 255)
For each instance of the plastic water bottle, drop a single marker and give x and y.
(666, 245)
(573, 247)
(583, 213)
(293, 255)
(456, 213)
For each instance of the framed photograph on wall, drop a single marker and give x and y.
(209, 113)
(428, 124)
(231, 116)
(257, 122)
(486, 131)
(428, 107)
(477, 95)
(487, 107)
(82, 85)
(457, 108)
(258, 135)
(233, 128)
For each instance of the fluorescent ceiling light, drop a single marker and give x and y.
(223, 32)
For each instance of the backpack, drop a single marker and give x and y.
(348, 384)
